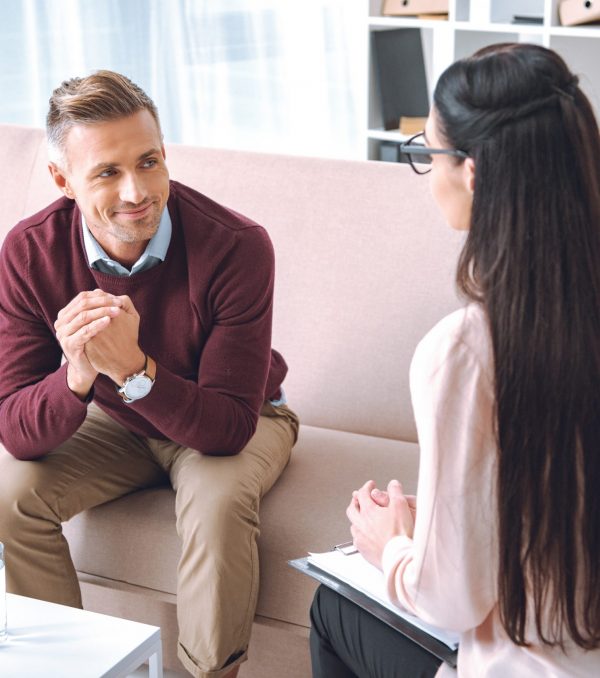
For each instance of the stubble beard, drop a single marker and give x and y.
(139, 230)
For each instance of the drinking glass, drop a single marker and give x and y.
(2, 595)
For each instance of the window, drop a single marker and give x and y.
(267, 75)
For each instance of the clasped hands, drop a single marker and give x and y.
(98, 333)
(378, 515)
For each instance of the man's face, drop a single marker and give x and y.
(116, 173)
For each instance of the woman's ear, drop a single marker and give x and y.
(469, 174)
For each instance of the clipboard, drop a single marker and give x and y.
(427, 642)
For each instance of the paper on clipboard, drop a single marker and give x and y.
(364, 577)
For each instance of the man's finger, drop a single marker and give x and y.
(84, 318)
(80, 338)
(86, 301)
(127, 305)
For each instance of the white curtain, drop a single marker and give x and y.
(270, 75)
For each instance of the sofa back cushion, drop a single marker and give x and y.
(365, 266)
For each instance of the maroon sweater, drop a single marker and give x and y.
(205, 318)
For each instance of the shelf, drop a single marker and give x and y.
(407, 22)
(444, 41)
(517, 29)
(576, 31)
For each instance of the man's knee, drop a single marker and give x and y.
(218, 514)
(20, 499)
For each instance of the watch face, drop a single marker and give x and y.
(138, 387)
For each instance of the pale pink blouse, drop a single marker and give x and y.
(446, 574)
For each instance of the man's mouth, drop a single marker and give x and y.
(135, 213)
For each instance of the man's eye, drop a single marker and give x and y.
(150, 162)
(107, 173)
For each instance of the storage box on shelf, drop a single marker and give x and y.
(414, 7)
(576, 12)
(473, 24)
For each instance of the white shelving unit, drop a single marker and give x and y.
(472, 24)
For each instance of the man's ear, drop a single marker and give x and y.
(60, 180)
(469, 174)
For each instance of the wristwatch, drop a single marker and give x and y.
(136, 386)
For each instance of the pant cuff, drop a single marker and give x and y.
(193, 667)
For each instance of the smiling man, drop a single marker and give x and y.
(160, 302)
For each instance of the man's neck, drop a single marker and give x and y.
(125, 254)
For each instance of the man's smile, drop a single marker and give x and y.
(136, 213)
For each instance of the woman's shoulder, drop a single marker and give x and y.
(459, 336)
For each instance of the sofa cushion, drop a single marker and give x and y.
(133, 540)
(365, 267)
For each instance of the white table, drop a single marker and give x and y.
(54, 641)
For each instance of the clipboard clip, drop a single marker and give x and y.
(347, 548)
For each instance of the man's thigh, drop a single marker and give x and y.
(250, 474)
(102, 461)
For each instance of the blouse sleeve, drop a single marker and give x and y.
(446, 574)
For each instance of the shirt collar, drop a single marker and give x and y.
(156, 249)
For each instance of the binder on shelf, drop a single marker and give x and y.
(389, 151)
(575, 12)
(400, 75)
(439, 643)
(414, 7)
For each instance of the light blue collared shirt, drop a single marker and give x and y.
(155, 252)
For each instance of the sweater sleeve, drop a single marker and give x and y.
(218, 414)
(446, 574)
(37, 409)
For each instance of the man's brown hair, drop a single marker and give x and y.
(99, 97)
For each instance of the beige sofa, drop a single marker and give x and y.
(365, 267)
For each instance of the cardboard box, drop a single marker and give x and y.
(412, 125)
(414, 7)
(574, 12)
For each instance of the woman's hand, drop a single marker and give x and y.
(382, 498)
(376, 517)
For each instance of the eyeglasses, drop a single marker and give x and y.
(418, 154)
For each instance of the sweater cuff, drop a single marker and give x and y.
(72, 400)
(392, 553)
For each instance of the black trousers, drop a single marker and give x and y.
(348, 642)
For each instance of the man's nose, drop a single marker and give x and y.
(132, 189)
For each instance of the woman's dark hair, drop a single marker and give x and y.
(532, 258)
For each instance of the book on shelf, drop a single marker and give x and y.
(350, 575)
(400, 75)
(528, 19)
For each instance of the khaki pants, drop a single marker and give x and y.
(217, 500)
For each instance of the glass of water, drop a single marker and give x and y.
(2, 595)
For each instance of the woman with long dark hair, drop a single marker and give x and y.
(504, 547)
